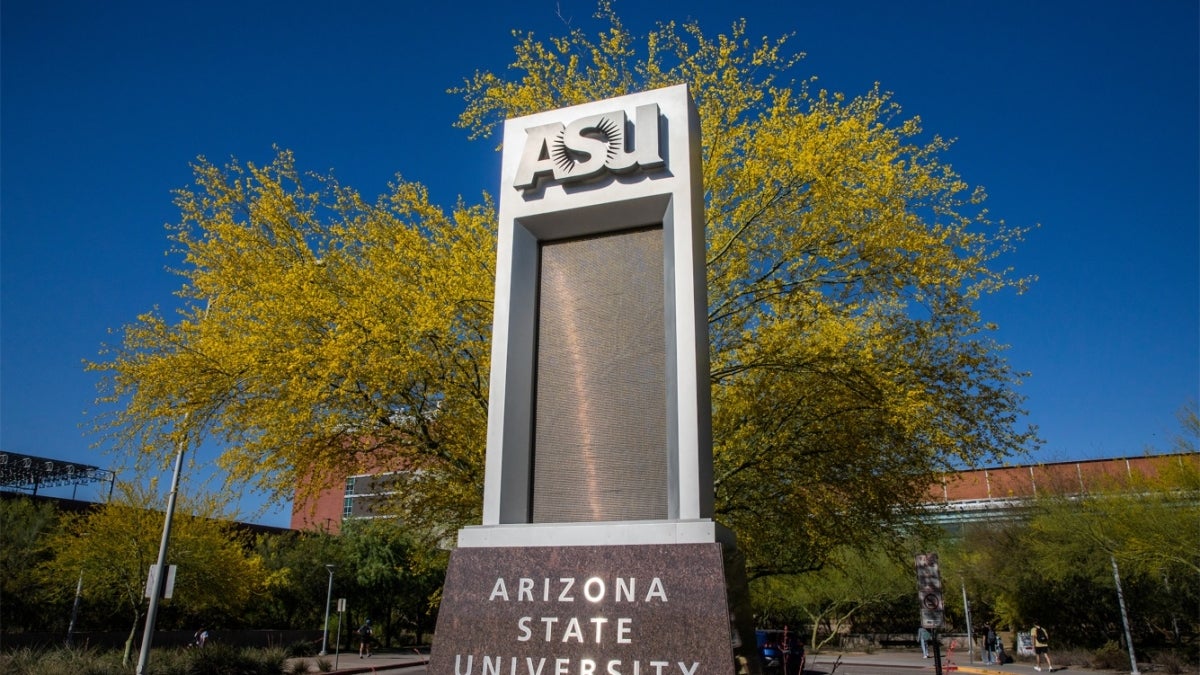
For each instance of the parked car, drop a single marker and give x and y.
(780, 651)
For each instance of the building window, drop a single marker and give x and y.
(350, 485)
(348, 507)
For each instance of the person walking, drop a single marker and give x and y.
(1041, 647)
(989, 645)
(923, 636)
(364, 639)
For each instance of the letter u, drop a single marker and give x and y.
(459, 671)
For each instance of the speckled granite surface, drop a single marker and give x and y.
(584, 610)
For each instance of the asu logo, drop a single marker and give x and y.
(590, 146)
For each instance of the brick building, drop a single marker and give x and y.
(962, 496)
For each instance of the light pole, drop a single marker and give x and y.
(337, 644)
(1124, 615)
(161, 574)
(328, 597)
(967, 612)
(75, 610)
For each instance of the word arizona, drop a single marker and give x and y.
(567, 589)
(499, 665)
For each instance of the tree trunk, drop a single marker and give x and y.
(129, 640)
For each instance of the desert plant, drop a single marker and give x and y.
(301, 648)
(1172, 663)
(66, 661)
(221, 659)
(212, 660)
(1109, 657)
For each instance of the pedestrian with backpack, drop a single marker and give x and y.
(364, 639)
(1041, 647)
(989, 645)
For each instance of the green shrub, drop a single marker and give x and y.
(170, 661)
(220, 659)
(215, 659)
(1172, 663)
(1110, 657)
(62, 661)
(301, 648)
(273, 660)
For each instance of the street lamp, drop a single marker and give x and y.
(328, 597)
(161, 569)
(75, 609)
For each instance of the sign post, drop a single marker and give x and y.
(931, 601)
(337, 647)
(597, 552)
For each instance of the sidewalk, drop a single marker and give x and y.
(957, 663)
(349, 663)
(412, 662)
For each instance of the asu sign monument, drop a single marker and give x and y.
(597, 554)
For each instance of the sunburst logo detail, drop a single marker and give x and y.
(606, 129)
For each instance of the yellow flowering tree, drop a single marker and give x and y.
(113, 546)
(845, 259)
(319, 332)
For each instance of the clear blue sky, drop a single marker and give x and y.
(1078, 116)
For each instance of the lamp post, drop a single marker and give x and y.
(967, 612)
(1124, 615)
(328, 597)
(75, 610)
(161, 573)
(161, 569)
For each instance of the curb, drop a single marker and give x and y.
(389, 666)
(386, 668)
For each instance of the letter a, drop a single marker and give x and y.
(499, 590)
(656, 590)
(536, 160)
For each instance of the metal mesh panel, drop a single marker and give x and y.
(600, 440)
